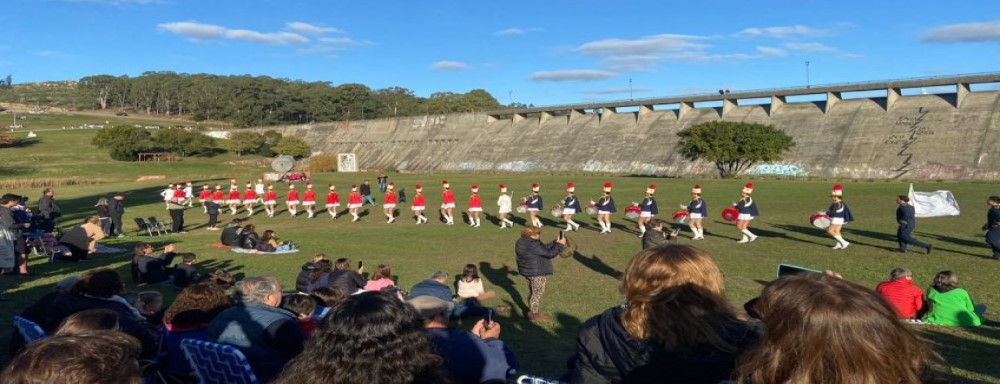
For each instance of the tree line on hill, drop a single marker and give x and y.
(247, 100)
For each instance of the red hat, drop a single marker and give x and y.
(570, 187)
(309, 185)
(696, 189)
(475, 187)
(332, 187)
(391, 186)
(607, 187)
(535, 187)
(503, 188)
(838, 190)
(418, 187)
(651, 189)
(354, 187)
(748, 189)
(444, 183)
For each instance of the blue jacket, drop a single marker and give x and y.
(906, 215)
(840, 209)
(471, 359)
(649, 205)
(268, 336)
(572, 202)
(606, 203)
(534, 258)
(747, 206)
(698, 206)
(535, 201)
(431, 287)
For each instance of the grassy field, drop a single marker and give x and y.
(584, 285)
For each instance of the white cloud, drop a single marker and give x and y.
(342, 41)
(771, 51)
(276, 38)
(616, 91)
(202, 32)
(447, 65)
(703, 57)
(310, 29)
(46, 53)
(643, 46)
(782, 32)
(631, 63)
(193, 30)
(964, 33)
(572, 75)
(516, 31)
(809, 47)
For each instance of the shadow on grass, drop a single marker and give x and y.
(503, 278)
(965, 351)
(810, 231)
(597, 265)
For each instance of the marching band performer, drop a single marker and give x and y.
(270, 200)
(167, 195)
(354, 202)
(233, 199)
(219, 197)
(292, 200)
(447, 203)
(697, 210)
(747, 212)
(571, 205)
(249, 198)
(605, 207)
(648, 209)
(839, 214)
(259, 189)
(189, 194)
(504, 205)
(534, 205)
(419, 204)
(475, 206)
(992, 226)
(309, 200)
(332, 202)
(389, 201)
(204, 196)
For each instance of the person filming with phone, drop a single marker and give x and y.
(534, 262)
(659, 234)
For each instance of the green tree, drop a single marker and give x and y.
(734, 146)
(244, 142)
(183, 142)
(99, 87)
(123, 142)
(292, 146)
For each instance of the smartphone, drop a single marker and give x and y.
(562, 235)
(361, 264)
(488, 319)
(788, 269)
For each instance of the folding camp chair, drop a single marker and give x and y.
(216, 363)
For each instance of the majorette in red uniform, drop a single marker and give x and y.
(419, 204)
(270, 200)
(475, 206)
(233, 198)
(332, 202)
(249, 198)
(354, 202)
(447, 203)
(204, 196)
(218, 196)
(292, 200)
(309, 199)
(179, 196)
(389, 203)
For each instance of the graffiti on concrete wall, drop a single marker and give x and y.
(907, 139)
(777, 169)
(518, 166)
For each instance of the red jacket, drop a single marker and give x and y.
(333, 198)
(390, 197)
(906, 297)
(218, 196)
(448, 197)
(293, 195)
(418, 200)
(270, 196)
(354, 198)
(475, 201)
(310, 195)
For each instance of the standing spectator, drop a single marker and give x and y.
(176, 208)
(657, 234)
(104, 215)
(212, 209)
(10, 231)
(153, 269)
(116, 208)
(24, 223)
(366, 193)
(48, 210)
(82, 239)
(951, 305)
(992, 226)
(534, 262)
(402, 195)
(900, 291)
(383, 182)
(268, 336)
(906, 217)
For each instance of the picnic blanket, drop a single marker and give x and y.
(254, 251)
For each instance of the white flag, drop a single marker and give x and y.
(934, 204)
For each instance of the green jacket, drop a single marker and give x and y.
(952, 308)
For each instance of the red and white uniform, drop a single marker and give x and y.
(309, 198)
(419, 202)
(292, 198)
(332, 199)
(249, 196)
(270, 197)
(179, 194)
(218, 196)
(475, 203)
(234, 196)
(389, 200)
(447, 199)
(204, 195)
(354, 200)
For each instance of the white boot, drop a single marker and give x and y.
(749, 235)
(745, 239)
(478, 222)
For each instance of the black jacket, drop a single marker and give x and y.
(66, 304)
(154, 270)
(248, 240)
(607, 353)
(534, 258)
(653, 238)
(48, 208)
(302, 280)
(231, 235)
(347, 280)
(116, 208)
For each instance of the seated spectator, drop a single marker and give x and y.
(345, 278)
(327, 297)
(270, 243)
(436, 287)
(899, 290)
(371, 337)
(188, 318)
(471, 357)
(186, 273)
(657, 234)
(677, 324)
(380, 279)
(98, 357)
(149, 303)
(87, 321)
(302, 306)
(249, 238)
(39, 311)
(471, 286)
(302, 280)
(269, 336)
(821, 329)
(82, 239)
(319, 275)
(151, 269)
(950, 305)
(100, 289)
(230, 234)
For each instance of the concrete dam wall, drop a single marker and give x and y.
(921, 137)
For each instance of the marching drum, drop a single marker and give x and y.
(592, 209)
(730, 214)
(820, 220)
(681, 216)
(522, 208)
(632, 212)
(557, 211)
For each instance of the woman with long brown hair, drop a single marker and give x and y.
(675, 326)
(821, 329)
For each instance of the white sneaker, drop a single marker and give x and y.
(743, 241)
(838, 246)
(752, 238)
(845, 245)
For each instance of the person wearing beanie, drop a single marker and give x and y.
(309, 200)
(605, 207)
(332, 202)
(571, 205)
(505, 209)
(747, 210)
(475, 206)
(292, 200)
(389, 201)
(535, 205)
(419, 204)
(270, 200)
(233, 199)
(839, 215)
(204, 196)
(447, 203)
(648, 209)
(249, 198)
(697, 210)
(354, 201)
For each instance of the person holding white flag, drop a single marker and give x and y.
(992, 226)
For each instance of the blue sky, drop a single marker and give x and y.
(532, 52)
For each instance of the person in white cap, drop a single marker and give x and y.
(571, 205)
(249, 198)
(697, 210)
(447, 203)
(475, 206)
(332, 202)
(605, 207)
(292, 200)
(189, 194)
(419, 204)
(839, 215)
(204, 196)
(234, 199)
(535, 205)
(354, 201)
(505, 209)
(747, 211)
(309, 200)
(259, 188)
(270, 200)
(648, 209)
(389, 201)
(167, 195)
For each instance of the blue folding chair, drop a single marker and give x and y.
(216, 363)
(28, 329)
